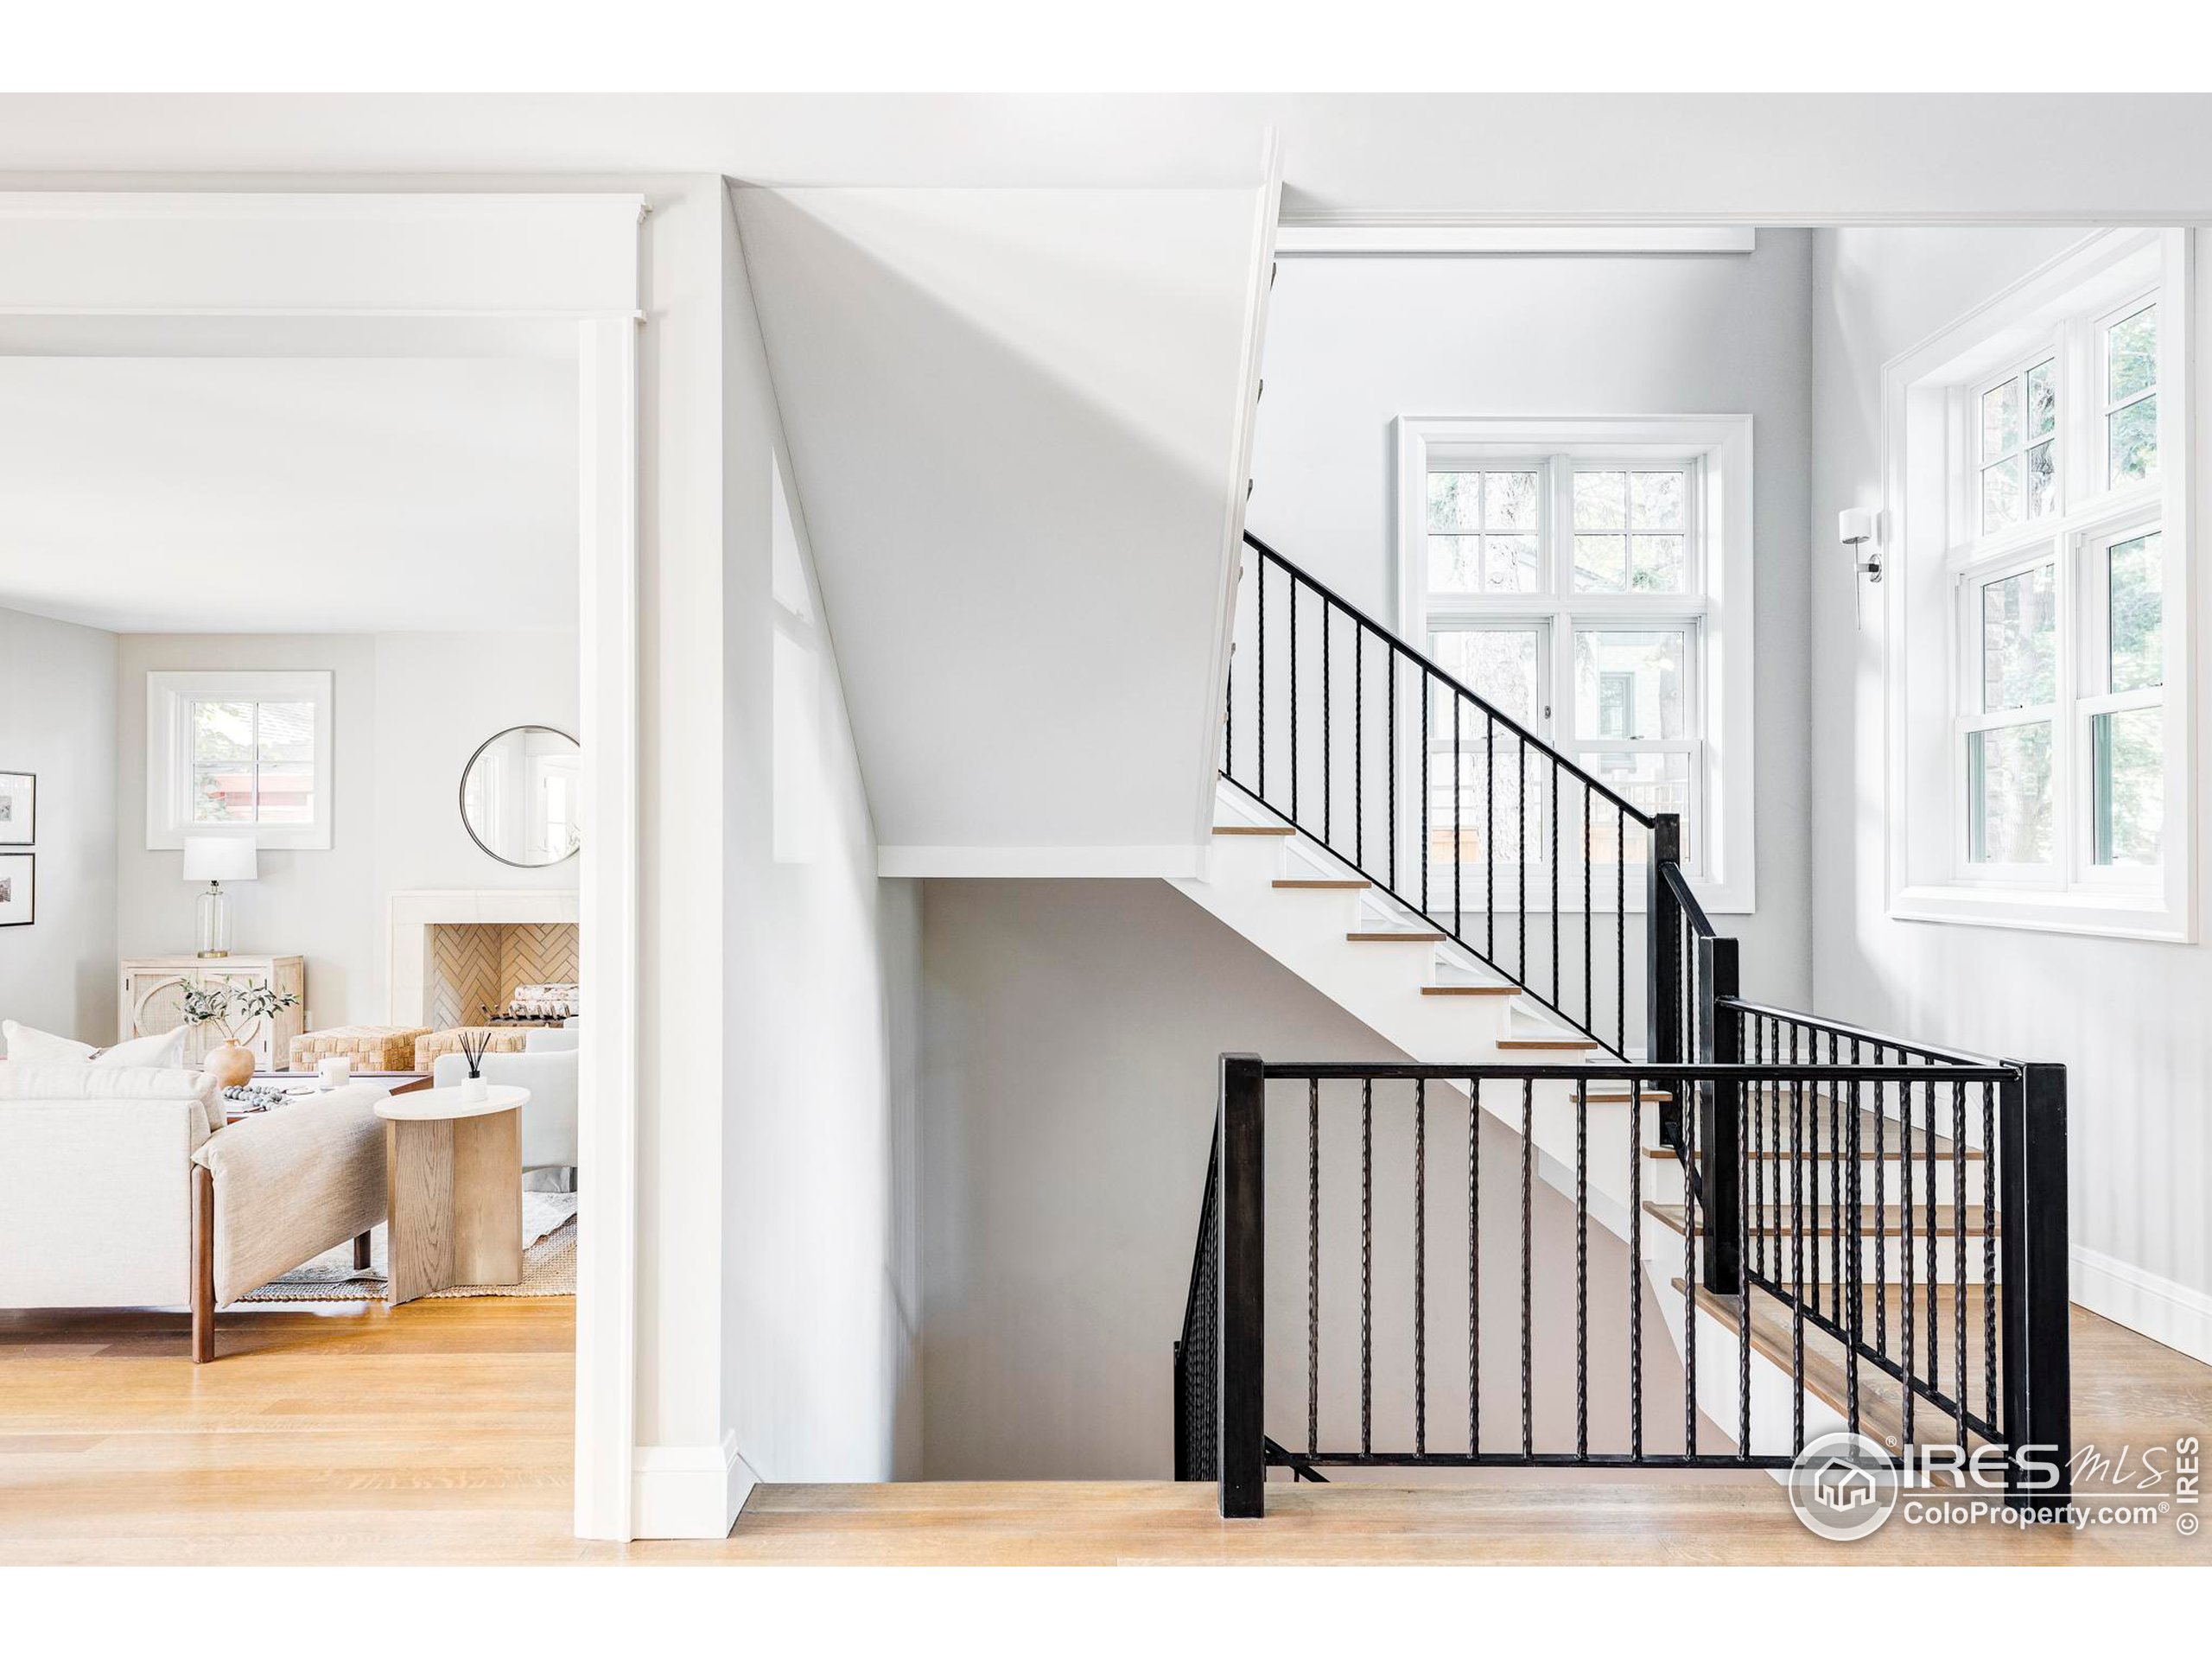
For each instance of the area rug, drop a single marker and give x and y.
(549, 1263)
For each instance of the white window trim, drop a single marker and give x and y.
(168, 692)
(1722, 444)
(1929, 537)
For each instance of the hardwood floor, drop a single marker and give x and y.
(439, 1432)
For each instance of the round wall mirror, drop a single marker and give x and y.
(519, 796)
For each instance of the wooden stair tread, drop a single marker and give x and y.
(1254, 829)
(1819, 1150)
(1471, 990)
(1346, 884)
(1548, 1043)
(1395, 935)
(1881, 1413)
(1774, 1220)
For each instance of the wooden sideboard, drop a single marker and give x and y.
(153, 1001)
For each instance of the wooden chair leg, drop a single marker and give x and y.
(360, 1252)
(203, 1264)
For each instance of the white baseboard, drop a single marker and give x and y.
(688, 1491)
(2160, 1309)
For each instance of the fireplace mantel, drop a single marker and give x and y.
(413, 915)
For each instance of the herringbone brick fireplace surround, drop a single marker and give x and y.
(476, 965)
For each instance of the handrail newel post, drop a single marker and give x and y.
(1663, 988)
(1720, 1113)
(1243, 1244)
(2032, 1287)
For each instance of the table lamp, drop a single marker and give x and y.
(216, 859)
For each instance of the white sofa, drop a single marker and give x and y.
(123, 1189)
(549, 1071)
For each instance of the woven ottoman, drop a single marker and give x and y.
(372, 1048)
(505, 1040)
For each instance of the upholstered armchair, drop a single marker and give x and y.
(548, 1120)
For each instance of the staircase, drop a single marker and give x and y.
(1817, 1211)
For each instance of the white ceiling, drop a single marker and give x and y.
(276, 493)
(1779, 158)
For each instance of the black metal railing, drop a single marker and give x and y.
(1403, 1319)
(1758, 1107)
(1445, 803)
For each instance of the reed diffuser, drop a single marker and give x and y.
(474, 1041)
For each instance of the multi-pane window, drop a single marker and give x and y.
(1629, 530)
(1566, 591)
(250, 762)
(2131, 411)
(1482, 531)
(2019, 437)
(2060, 584)
(2124, 703)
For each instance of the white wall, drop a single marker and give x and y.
(1014, 414)
(821, 1245)
(1354, 343)
(2126, 1018)
(409, 711)
(57, 718)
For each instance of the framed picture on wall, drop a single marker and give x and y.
(18, 888)
(18, 808)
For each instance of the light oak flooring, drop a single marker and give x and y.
(439, 1432)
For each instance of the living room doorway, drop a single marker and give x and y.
(324, 570)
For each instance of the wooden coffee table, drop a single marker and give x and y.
(453, 1190)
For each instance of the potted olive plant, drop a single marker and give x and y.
(233, 1009)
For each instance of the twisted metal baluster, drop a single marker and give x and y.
(1797, 1254)
(1905, 1252)
(1474, 1267)
(1683, 1091)
(1527, 1327)
(1636, 1269)
(1960, 1370)
(1743, 1271)
(1582, 1269)
(1367, 1265)
(1988, 1252)
(1314, 1267)
(1421, 1267)
(1934, 1310)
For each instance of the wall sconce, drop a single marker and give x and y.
(1854, 528)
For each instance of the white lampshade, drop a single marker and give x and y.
(1854, 525)
(220, 858)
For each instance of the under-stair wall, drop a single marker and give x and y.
(1071, 1031)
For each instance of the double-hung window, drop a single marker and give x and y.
(1589, 579)
(2039, 587)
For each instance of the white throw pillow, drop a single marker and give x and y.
(43, 1048)
(165, 1049)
